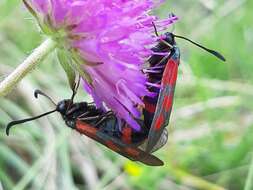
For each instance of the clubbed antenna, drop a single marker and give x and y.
(36, 94)
(39, 92)
(215, 53)
(9, 126)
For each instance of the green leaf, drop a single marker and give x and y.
(66, 63)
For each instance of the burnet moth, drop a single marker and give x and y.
(103, 127)
(159, 108)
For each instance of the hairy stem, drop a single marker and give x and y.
(24, 68)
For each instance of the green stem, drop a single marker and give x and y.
(24, 68)
(194, 181)
(249, 181)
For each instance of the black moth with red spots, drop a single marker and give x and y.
(159, 108)
(103, 127)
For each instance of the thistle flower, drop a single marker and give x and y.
(110, 40)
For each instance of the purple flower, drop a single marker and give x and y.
(112, 39)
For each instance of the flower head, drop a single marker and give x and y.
(111, 39)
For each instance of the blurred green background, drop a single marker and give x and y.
(210, 143)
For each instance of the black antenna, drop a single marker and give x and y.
(171, 15)
(157, 34)
(215, 53)
(156, 31)
(75, 88)
(26, 120)
(39, 92)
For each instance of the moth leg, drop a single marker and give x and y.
(72, 110)
(83, 115)
(91, 118)
(103, 118)
(162, 60)
(74, 91)
(75, 88)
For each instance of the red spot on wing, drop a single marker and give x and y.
(174, 75)
(112, 146)
(170, 73)
(86, 129)
(169, 81)
(159, 122)
(129, 152)
(132, 151)
(150, 107)
(167, 103)
(127, 135)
